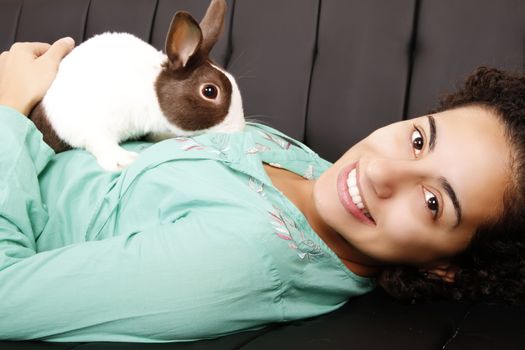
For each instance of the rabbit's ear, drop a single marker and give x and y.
(212, 24)
(184, 39)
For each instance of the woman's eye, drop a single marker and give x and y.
(417, 141)
(431, 202)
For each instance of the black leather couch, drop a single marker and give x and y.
(327, 72)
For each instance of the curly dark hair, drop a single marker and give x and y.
(492, 268)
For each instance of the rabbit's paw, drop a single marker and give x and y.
(116, 160)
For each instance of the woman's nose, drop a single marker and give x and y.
(387, 175)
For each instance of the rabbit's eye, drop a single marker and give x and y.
(210, 91)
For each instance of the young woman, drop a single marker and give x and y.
(205, 236)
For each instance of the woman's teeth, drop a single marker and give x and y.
(353, 190)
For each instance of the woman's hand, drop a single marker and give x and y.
(27, 70)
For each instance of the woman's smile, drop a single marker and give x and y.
(351, 195)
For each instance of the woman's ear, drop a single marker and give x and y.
(444, 271)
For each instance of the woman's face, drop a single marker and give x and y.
(427, 184)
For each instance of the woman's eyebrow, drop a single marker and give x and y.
(432, 127)
(453, 198)
(444, 182)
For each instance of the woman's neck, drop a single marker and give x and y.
(300, 192)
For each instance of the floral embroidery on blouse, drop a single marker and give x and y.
(286, 229)
(257, 148)
(220, 144)
(256, 186)
(276, 139)
(188, 144)
(309, 173)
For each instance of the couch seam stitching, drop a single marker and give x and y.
(411, 56)
(312, 68)
(457, 330)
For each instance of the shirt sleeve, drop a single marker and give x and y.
(23, 155)
(157, 285)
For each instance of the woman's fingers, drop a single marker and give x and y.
(28, 69)
(60, 48)
(36, 49)
(3, 57)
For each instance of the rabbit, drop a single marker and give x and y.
(115, 86)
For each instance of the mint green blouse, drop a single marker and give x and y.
(191, 241)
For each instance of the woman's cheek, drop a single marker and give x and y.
(403, 227)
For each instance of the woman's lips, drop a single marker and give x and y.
(344, 195)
